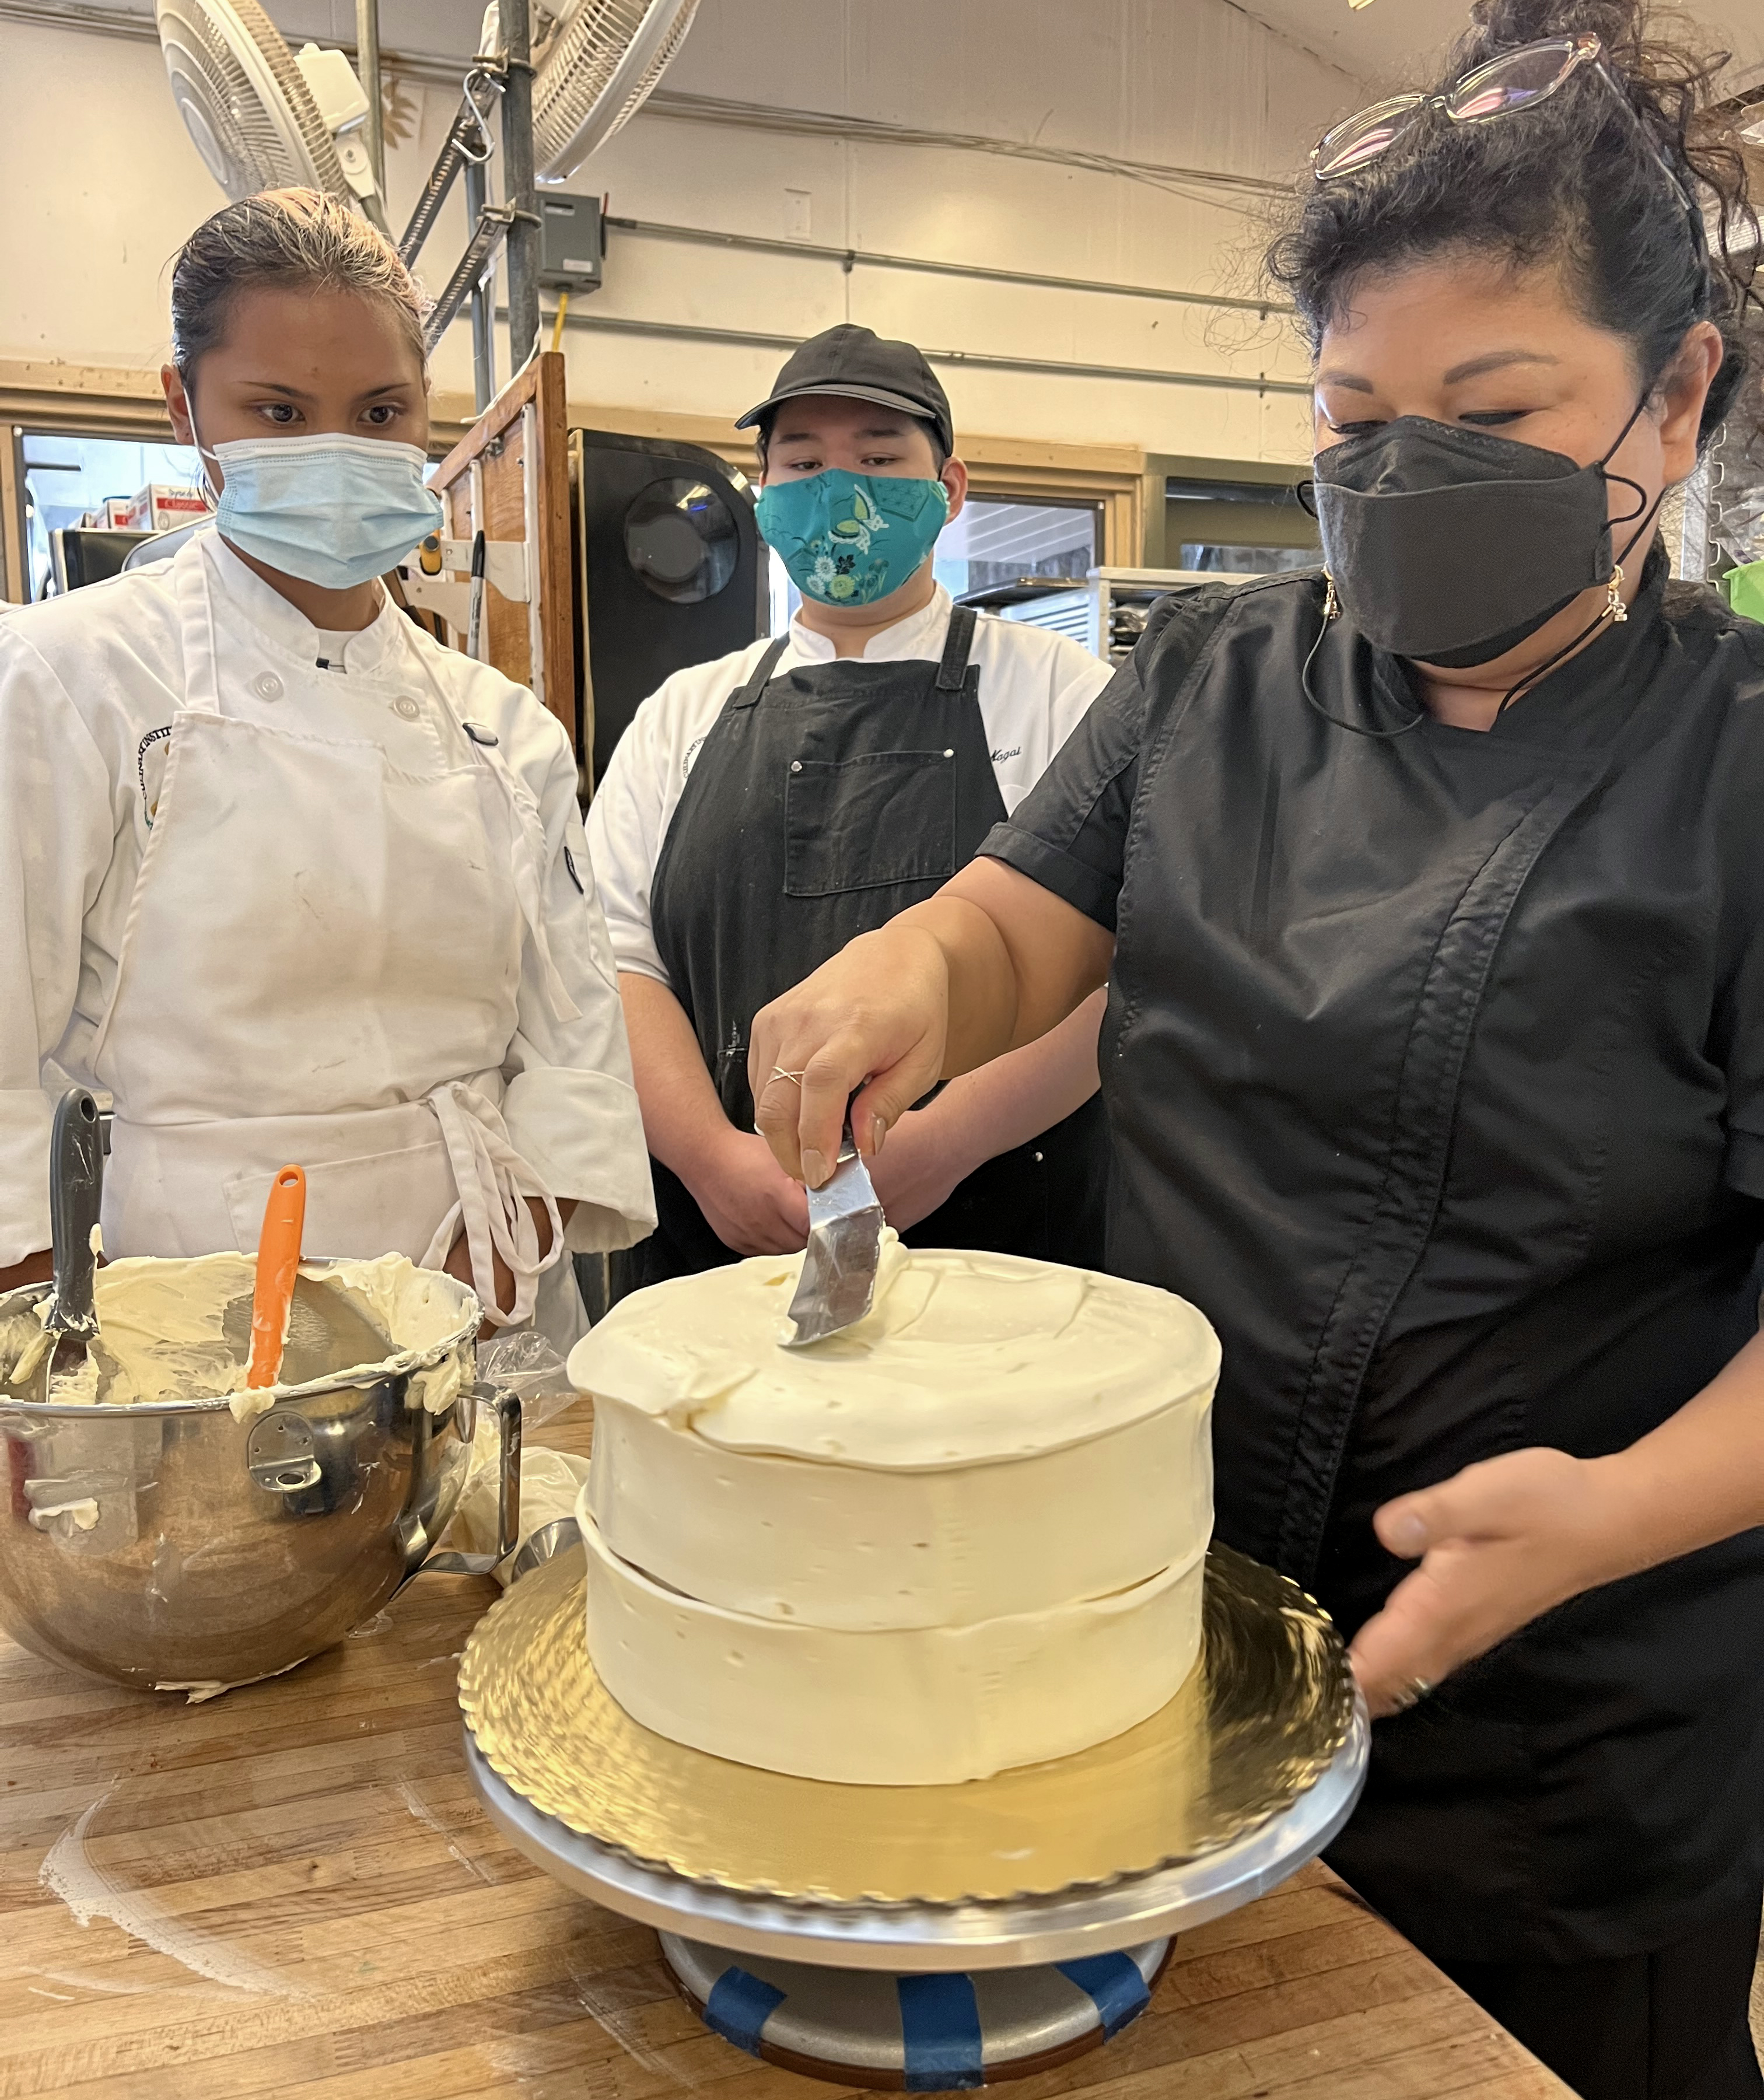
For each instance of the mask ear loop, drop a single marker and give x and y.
(1613, 609)
(203, 455)
(1332, 612)
(1305, 491)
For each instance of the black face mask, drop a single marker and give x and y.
(1450, 545)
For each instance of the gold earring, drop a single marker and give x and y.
(1332, 605)
(1615, 608)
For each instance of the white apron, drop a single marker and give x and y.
(320, 964)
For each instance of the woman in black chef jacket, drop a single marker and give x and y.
(1429, 891)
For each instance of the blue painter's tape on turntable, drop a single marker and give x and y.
(1113, 1984)
(740, 2006)
(940, 2033)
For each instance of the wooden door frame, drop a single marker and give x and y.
(539, 386)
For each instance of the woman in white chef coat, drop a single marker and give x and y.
(286, 878)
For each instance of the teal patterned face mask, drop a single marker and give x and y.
(850, 539)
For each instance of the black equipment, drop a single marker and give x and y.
(88, 553)
(673, 571)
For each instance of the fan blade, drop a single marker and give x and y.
(602, 66)
(248, 112)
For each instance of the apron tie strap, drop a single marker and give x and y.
(952, 672)
(494, 1183)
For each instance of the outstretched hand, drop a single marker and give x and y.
(1499, 1544)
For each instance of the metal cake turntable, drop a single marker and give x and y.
(924, 1938)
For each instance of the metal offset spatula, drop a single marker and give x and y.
(76, 1195)
(838, 1281)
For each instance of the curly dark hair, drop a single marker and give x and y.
(1570, 182)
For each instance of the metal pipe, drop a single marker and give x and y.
(368, 66)
(484, 329)
(850, 258)
(518, 160)
(984, 360)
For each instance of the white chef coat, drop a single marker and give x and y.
(90, 684)
(1034, 689)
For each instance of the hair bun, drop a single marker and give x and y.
(1502, 25)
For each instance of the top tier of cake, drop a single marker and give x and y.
(999, 1436)
(966, 1359)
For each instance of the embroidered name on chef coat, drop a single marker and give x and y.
(150, 758)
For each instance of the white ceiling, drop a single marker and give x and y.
(1392, 40)
(1388, 39)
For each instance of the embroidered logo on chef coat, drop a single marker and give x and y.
(150, 768)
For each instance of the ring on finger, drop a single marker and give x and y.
(1411, 1694)
(795, 1078)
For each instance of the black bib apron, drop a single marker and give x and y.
(822, 803)
(1421, 1061)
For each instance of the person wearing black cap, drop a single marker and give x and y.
(763, 809)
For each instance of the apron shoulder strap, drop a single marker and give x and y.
(952, 673)
(762, 674)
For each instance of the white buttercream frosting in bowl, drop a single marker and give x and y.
(178, 1328)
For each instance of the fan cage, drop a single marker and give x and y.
(579, 67)
(259, 153)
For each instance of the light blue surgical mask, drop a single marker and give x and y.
(333, 511)
(850, 539)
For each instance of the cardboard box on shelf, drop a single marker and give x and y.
(162, 505)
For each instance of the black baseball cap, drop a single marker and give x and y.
(858, 363)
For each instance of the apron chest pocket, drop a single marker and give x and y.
(869, 823)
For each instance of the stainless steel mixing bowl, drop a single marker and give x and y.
(168, 1545)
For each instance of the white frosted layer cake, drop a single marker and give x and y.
(968, 1534)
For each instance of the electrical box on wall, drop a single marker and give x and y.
(571, 242)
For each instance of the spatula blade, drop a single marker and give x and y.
(838, 1282)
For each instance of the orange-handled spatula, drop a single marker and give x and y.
(284, 1220)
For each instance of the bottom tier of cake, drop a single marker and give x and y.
(923, 1706)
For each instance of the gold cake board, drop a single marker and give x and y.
(1017, 1922)
(1269, 1709)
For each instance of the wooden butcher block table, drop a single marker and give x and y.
(293, 1891)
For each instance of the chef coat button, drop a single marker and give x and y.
(266, 685)
(407, 707)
